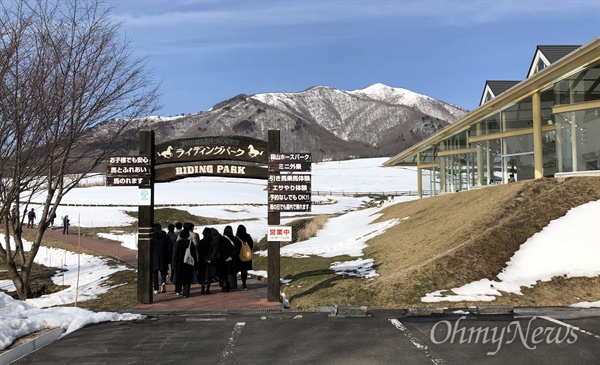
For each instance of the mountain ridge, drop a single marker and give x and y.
(377, 121)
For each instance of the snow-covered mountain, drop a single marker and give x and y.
(377, 121)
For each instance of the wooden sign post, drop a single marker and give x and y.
(207, 156)
(273, 248)
(145, 222)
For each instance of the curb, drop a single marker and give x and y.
(30, 346)
(495, 309)
(423, 311)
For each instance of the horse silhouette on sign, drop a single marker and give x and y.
(168, 153)
(253, 152)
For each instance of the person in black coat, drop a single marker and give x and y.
(216, 242)
(66, 223)
(234, 257)
(207, 255)
(160, 257)
(183, 272)
(225, 263)
(245, 265)
(173, 237)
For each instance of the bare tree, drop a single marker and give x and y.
(64, 68)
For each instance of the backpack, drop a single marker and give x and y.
(245, 252)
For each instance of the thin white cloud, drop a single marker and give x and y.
(243, 14)
(201, 28)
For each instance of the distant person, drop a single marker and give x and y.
(233, 260)
(30, 218)
(225, 263)
(178, 228)
(195, 238)
(511, 178)
(216, 242)
(52, 218)
(66, 223)
(207, 255)
(171, 232)
(183, 272)
(173, 238)
(14, 214)
(160, 258)
(243, 235)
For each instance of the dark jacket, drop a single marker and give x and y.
(244, 236)
(207, 249)
(226, 250)
(207, 255)
(237, 246)
(183, 272)
(173, 238)
(160, 251)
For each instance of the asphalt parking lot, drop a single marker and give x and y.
(529, 336)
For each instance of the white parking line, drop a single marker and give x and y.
(569, 326)
(229, 349)
(435, 358)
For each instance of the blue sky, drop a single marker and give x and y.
(207, 51)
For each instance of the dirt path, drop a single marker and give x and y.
(103, 247)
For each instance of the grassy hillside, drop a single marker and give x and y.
(451, 240)
(441, 242)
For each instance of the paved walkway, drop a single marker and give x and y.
(253, 299)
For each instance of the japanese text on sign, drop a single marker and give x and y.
(290, 178)
(290, 157)
(128, 160)
(202, 150)
(121, 170)
(279, 233)
(289, 188)
(289, 207)
(127, 181)
(294, 197)
(291, 167)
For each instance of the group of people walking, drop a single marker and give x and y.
(181, 256)
(31, 217)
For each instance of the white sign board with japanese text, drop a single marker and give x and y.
(279, 234)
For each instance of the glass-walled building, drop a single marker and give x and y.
(547, 124)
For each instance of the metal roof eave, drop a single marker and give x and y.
(583, 56)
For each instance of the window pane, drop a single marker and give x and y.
(519, 144)
(550, 159)
(578, 140)
(518, 116)
(583, 86)
(521, 166)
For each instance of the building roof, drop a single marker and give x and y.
(548, 55)
(555, 53)
(496, 87)
(582, 57)
(500, 86)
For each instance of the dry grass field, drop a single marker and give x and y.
(454, 239)
(441, 242)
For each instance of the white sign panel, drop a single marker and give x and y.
(144, 196)
(279, 233)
